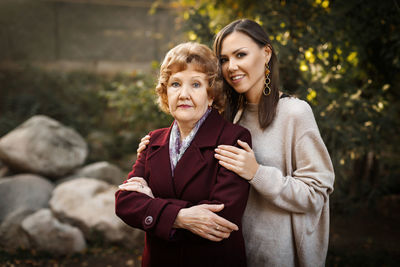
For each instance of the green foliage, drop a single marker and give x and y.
(112, 113)
(70, 98)
(344, 58)
(134, 98)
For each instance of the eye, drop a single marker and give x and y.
(196, 84)
(241, 54)
(175, 84)
(223, 60)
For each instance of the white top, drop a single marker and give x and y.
(286, 222)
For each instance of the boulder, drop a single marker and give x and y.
(89, 204)
(48, 234)
(12, 236)
(102, 170)
(4, 170)
(43, 146)
(23, 192)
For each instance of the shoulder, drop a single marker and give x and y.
(158, 132)
(234, 131)
(297, 113)
(294, 107)
(218, 122)
(158, 135)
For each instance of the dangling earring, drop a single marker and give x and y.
(267, 83)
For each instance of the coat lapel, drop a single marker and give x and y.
(160, 166)
(192, 160)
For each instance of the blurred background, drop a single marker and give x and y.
(92, 65)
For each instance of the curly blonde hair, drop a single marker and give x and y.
(178, 58)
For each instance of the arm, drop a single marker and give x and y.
(153, 215)
(307, 188)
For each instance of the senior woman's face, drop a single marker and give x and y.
(187, 96)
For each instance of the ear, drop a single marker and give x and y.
(268, 53)
(210, 101)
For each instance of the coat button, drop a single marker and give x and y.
(148, 220)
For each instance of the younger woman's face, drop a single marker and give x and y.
(243, 65)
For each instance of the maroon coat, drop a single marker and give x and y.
(198, 179)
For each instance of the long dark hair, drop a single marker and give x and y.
(267, 105)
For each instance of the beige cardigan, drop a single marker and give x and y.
(286, 222)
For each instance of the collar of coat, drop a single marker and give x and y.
(206, 136)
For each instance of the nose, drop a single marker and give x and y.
(232, 65)
(184, 92)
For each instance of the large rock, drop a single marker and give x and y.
(23, 192)
(102, 170)
(48, 234)
(12, 236)
(90, 205)
(44, 146)
(20, 196)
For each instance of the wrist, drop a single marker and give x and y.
(179, 219)
(254, 173)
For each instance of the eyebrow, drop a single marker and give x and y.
(193, 77)
(234, 52)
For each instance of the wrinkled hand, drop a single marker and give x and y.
(202, 221)
(143, 143)
(240, 161)
(137, 184)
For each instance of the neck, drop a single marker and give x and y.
(184, 129)
(252, 98)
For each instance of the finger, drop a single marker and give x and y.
(218, 234)
(229, 166)
(226, 225)
(226, 159)
(226, 153)
(212, 237)
(131, 187)
(233, 149)
(145, 138)
(224, 229)
(223, 224)
(211, 234)
(138, 180)
(213, 207)
(244, 145)
(142, 146)
(144, 142)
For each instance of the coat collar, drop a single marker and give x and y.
(206, 136)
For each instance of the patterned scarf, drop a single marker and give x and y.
(176, 148)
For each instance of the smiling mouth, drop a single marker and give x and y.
(237, 78)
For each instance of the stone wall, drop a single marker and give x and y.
(95, 35)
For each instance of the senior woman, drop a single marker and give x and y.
(177, 178)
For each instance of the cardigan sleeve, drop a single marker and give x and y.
(153, 215)
(307, 187)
